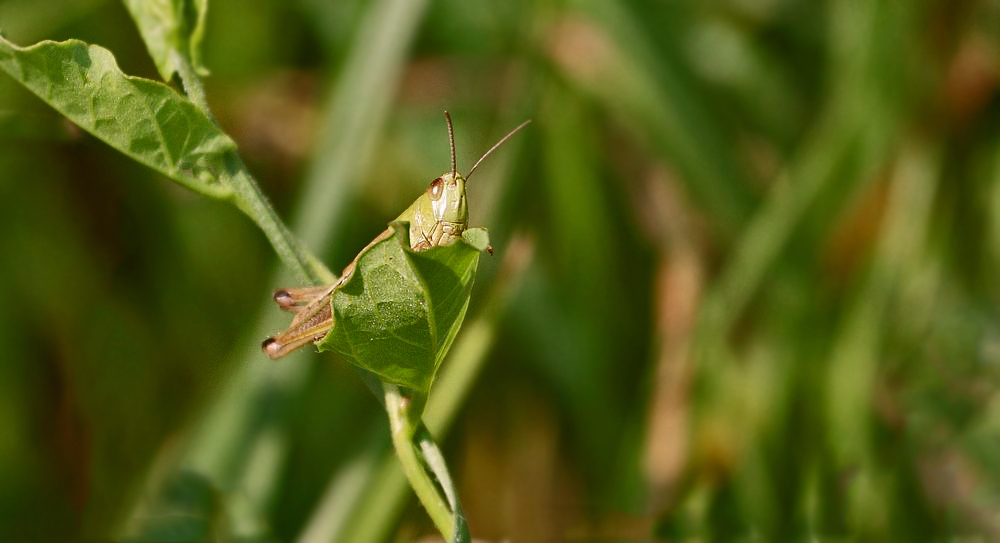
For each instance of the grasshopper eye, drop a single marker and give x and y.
(436, 189)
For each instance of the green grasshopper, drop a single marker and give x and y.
(437, 217)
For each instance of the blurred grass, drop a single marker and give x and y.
(745, 283)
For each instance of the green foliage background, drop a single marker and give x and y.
(745, 284)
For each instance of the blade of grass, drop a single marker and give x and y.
(355, 115)
(851, 140)
(855, 362)
(854, 367)
(658, 102)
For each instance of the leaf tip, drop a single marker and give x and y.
(478, 238)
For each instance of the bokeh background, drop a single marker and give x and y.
(745, 285)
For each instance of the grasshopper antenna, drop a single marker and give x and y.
(451, 142)
(494, 148)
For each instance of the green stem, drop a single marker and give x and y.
(193, 88)
(248, 197)
(435, 462)
(410, 437)
(250, 200)
(404, 424)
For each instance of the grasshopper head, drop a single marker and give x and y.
(447, 197)
(447, 193)
(441, 214)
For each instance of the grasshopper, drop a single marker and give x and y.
(437, 217)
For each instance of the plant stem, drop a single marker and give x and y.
(404, 412)
(435, 463)
(193, 88)
(248, 197)
(404, 423)
(250, 200)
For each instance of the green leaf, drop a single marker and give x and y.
(144, 119)
(170, 28)
(400, 311)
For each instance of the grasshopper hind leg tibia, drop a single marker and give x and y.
(295, 299)
(275, 348)
(299, 334)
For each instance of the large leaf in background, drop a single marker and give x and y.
(146, 120)
(171, 27)
(400, 311)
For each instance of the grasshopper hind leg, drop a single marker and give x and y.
(297, 299)
(313, 319)
(275, 348)
(299, 334)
